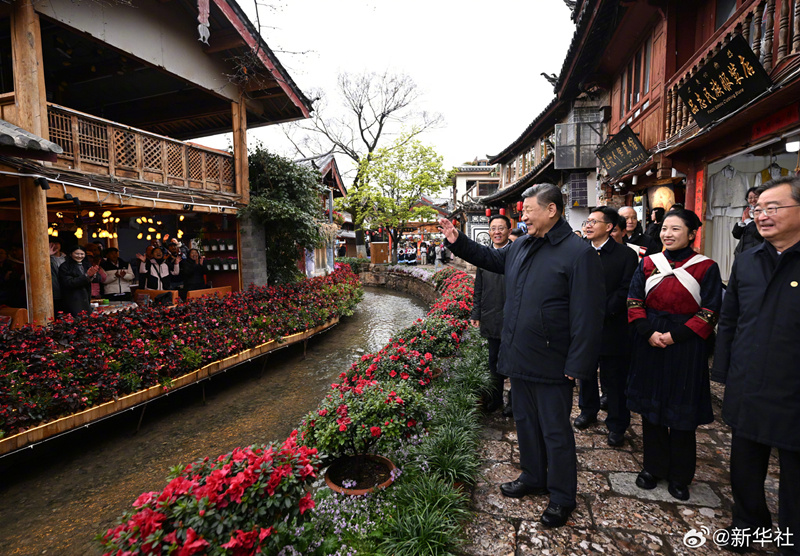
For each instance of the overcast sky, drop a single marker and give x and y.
(477, 63)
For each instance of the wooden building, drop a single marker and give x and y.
(120, 88)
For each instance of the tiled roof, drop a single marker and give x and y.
(13, 136)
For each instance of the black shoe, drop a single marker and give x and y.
(518, 489)
(555, 515)
(646, 481)
(584, 420)
(616, 439)
(491, 405)
(604, 402)
(679, 491)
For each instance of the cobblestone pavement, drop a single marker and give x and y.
(613, 515)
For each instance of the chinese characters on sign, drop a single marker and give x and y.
(731, 79)
(621, 152)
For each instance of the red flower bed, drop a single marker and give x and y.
(244, 502)
(73, 364)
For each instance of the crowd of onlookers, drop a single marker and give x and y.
(81, 273)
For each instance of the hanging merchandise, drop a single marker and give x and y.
(727, 198)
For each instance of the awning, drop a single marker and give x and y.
(112, 191)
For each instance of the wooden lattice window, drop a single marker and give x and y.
(227, 178)
(175, 160)
(151, 153)
(212, 167)
(61, 132)
(195, 164)
(93, 142)
(124, 148)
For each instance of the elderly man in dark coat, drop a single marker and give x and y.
(552, 322)
(757, 358)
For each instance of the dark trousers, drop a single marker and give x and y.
(545, 437)
(669, 453)
(589, 394)
(749, 461)
(613, 380)
(496, 394)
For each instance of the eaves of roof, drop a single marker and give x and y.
(265, 55)
(120, 189)
(26, 144)
(521, 184)
(545, 118)
(596, 23)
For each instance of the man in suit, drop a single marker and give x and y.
(634, 238)
(552, 324)
(619, 263)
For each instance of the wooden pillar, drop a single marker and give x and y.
(26, 48)
(240, 164)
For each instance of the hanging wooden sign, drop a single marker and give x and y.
(731, 79)
(622, 152)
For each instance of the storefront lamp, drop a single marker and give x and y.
(106, 214)
(149, 237)
(793, 144)
(91, 214)
(140, 236)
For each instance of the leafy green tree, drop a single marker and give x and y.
(372, 107)
(285, 199)
(394, 180)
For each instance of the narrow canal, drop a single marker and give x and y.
(56, 497)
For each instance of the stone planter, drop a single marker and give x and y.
(375, 473)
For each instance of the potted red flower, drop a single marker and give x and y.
(357, 419)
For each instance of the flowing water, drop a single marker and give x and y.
(56, 496)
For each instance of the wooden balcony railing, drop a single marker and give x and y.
(772, 41)
(99, 146)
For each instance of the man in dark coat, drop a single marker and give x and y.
(757, 356)
(487, 308)
(619, 264)
(552, 322)
(634, 236)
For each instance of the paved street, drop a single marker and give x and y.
(613, 515)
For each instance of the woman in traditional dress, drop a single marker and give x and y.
(673, 304)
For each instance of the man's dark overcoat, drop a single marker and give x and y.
(758, 353)
(553, 314)
(619, 264)
(488, 301)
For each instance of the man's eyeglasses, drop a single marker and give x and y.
(593, 222)
(770, 211)
(502, 229)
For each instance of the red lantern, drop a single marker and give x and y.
(519, 206)
(455, 222)
(502, 212)
(380, 230)
(488, 212)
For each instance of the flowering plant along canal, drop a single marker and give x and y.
(56, 496)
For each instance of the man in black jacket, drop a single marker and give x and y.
(487, 308)
(756, 357)
(619, 263)
(552, 322)
(634, 235)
